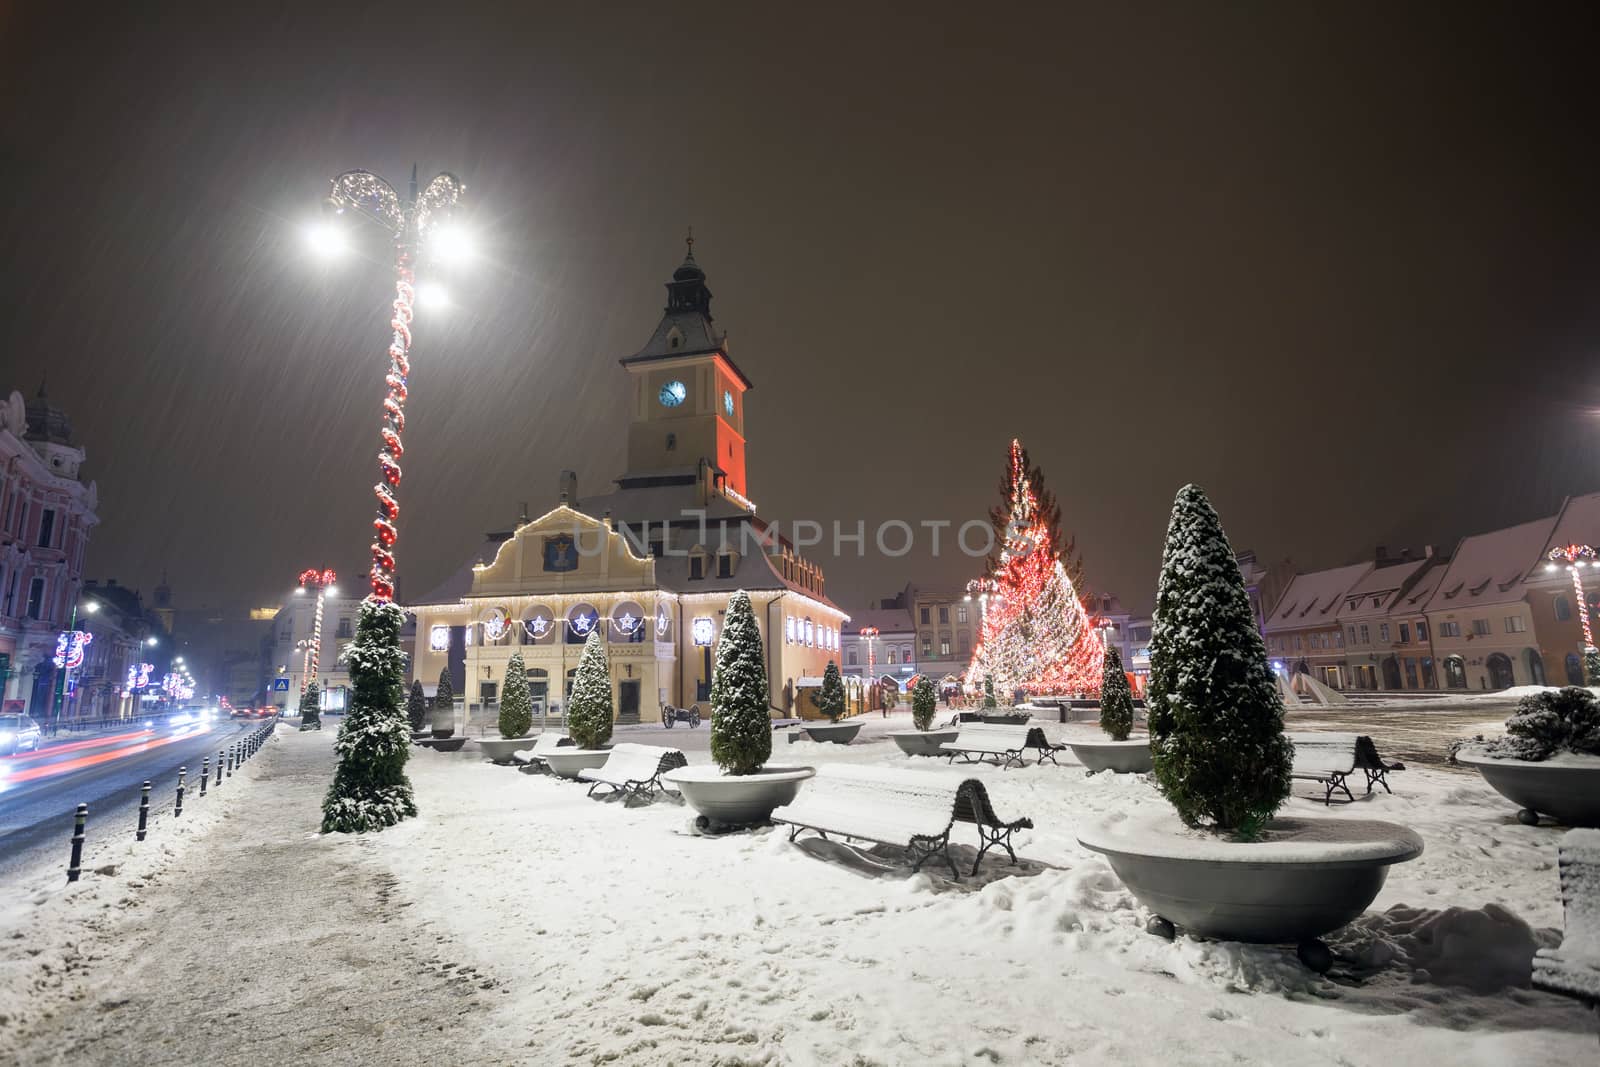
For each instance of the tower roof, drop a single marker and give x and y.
(47, 424)
(686, 327)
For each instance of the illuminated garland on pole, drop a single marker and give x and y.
(1575, 557)
(322, 581)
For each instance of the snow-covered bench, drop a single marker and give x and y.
(1004, 745)
(1328, 759)
(635, 769)
(1573, 970)
(545, 743)
(912, 810)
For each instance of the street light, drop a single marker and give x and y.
(70, 646)
(322, 582)
(411, 222)
(1575, 556)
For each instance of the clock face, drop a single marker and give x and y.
(673, 394)
(727, 403)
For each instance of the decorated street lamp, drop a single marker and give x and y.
(1576, 557)
(417, 224)
(322, 582)
(870, 632)
(71, 646)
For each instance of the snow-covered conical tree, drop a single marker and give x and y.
(831, 697)
(741, 727)
(417, 707)
(1116, 699)
(923, 702)
(589, 713)
(516, 702)
(1216, 719)
(311, 707)
(370, 790)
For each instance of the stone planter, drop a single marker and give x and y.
(1566, 787)
(443, 744)
(1007, 718)
(922, 742)
(444, 722)
(727, 801)
(499, 749)
(1120, 757)
(567, 762)
(840, 733)
(1306, 876)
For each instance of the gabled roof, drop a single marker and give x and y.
(1414, 601)
(1489, 568)
(1577, 523)
(1376, 593)
(887, 620)
(1314, 599)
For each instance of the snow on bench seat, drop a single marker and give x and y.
(913, 810)
(1326, 759)
(635, 769)
(544, 743)
(999, 742)
(1574, 969)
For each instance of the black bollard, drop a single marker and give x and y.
(230, 761)
(79, 821)
(205, 774)
(144, 811)
(178, 810)
(219, 766)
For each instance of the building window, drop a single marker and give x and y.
(1480, 627)
(964, 642)
(891, 655)
(1411, 673)
(1352, 635)
(944, 614)
(1366, 635)
(924, 614)
(1383, 631)
(961, 613)
(927, 645)
(1338, 638)
(1563, 609)
(1574, 669)
(852, 660)
(1299, 644)
(944, 648)
(1422, 635)
(1405, 635)
(1455, 671)
(47, 527)
(35, 598)
(697, 567)
(1449, 629)
(344, 628)
(725, 565)
(1516, 624)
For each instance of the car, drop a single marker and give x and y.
(18, 733)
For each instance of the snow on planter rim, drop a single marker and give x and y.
(1106, 742)
(1288, 839)
(1474, 756)
(710, 772)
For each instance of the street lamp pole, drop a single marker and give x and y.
(90, 607)
(322, 582)
(409, 221)
(1575, 556)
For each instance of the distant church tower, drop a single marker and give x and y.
(688, 396)
(163, 604)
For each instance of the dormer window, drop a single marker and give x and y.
(726, 562)
(697, 563)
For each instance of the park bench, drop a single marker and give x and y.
(1002, 744)
(1329, 759)
(633, 769)
(544, 743)
(1573, 970)
(913, 810)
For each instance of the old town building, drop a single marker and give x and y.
(1303, 633)
(649, 565)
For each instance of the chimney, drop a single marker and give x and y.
(1383, 553)
(1427, 551)
(569, 488)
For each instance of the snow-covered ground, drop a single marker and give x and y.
(628, 938)
(518, 921)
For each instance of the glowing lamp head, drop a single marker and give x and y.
(332, 590)
(152, 642)
(452, 243)
(431, 296)
(326, 238)
(91, 607)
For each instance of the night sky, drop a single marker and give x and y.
(1340, 264)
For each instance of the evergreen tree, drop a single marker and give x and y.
(444, 700)
(589, 710)
(1591, 665)
(741, 727)
(311, 708)
(1216, 720)
(417, 707)
(370, 790)
(1020, 470)
(988, 692)
(516, 702)
(831, 699)
(1116, 699)
(923, 702)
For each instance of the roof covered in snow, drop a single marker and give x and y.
(1376, 593)
(887, 620)
(1314, 599)
(1489, 568)
(1414, 601)
(1577, 523)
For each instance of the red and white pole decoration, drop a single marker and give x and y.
(394, 424)
(321, 581)
(1575, 556)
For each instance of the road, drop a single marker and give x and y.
(40, 790)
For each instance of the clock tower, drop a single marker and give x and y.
(687, 422)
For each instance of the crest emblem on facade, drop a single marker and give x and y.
(560, 553)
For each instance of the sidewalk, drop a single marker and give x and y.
(257, 945)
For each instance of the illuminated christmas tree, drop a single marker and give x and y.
(1035, 633)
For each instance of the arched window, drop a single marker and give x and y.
(1563, 608)
(1574, 669)
(1455, 672)
(852, 659)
